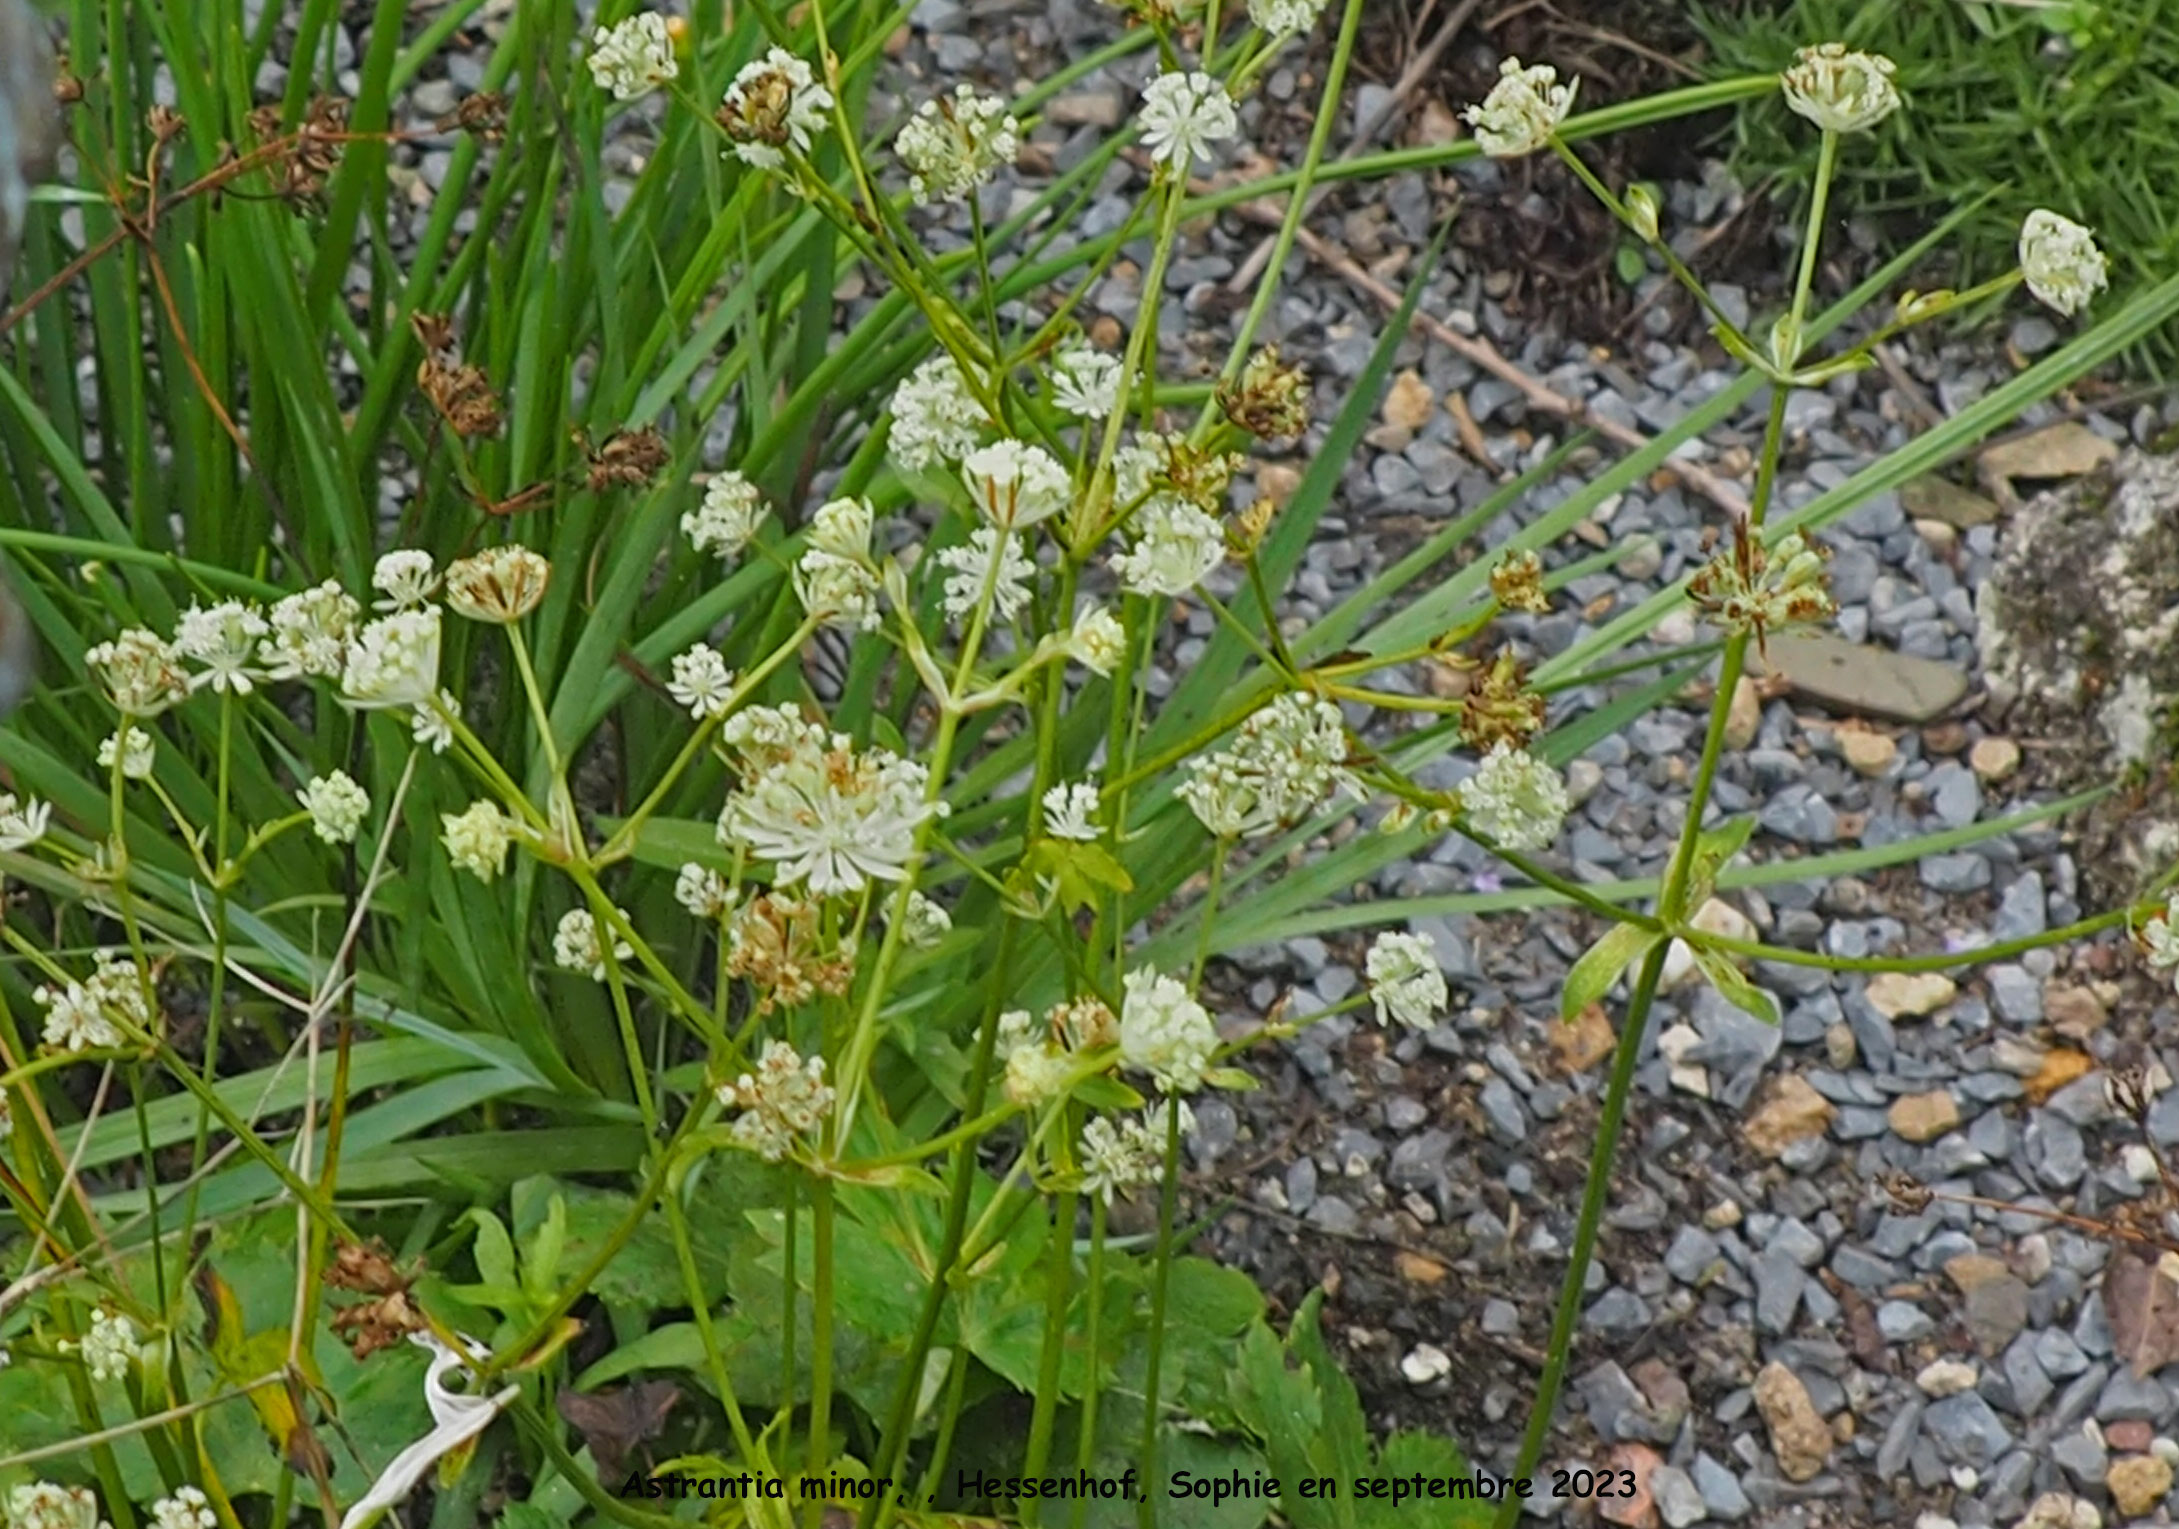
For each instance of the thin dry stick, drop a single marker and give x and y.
(1366, 132)
(1486, 355)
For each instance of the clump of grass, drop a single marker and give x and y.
(2068, 106)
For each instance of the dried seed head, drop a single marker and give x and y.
(1500, 708)
(1270, 399)
(1517, 581)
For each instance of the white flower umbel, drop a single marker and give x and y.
(1522, 110)
(476, 840)
(456, 1418)
(336, 805)
(971, 572)
(222, 641)
(1036, 1069)
(1183, 114)
(498, 586)
(785, 1098)
(1277, 16)
(1285, 759)
(935, 417)
(576, 947)
(82, 1014)
(48, 1505)
(701, 681)
(634, 58)
(954, 144)
(703, 891)
(1840, 90)
(1085, 382)
(23, 823)
(142, 673)
(727, 519)
(1165, 1032)
(136, 749)
(1098, 641)
(110, 1347)
(821, 811)
(1404, 980)
(1069, 809)
(310, 633)
(1515, 799)
(2060, 262)
(188, 1508)
(1121, 1159)
(1176, 544)
(838, 591)
(395, 662)
(432, 723)
(404, 580)
(775, 104)
(925, 923)
(1015, 484)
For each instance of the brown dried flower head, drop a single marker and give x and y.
(1270, 399)
(1499, 706)
(776, 946)
(499, 585)
(1084, 1024)
(461, 393)
(1756, 589)
(1517, 581)
(628, 459)
(1199, 474)
(484, 114)
(1254, 522)
(761, 110)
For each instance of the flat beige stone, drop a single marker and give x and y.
(1940, 499)
(1866, 681)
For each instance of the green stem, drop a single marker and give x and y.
(821, 1340)
(1146, 1510)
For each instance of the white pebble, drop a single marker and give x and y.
(1946, 1377)
(1427, 1363)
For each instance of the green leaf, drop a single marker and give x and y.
(1714, 849)
(1600, 966)
(1734, 987)
(493, 1251)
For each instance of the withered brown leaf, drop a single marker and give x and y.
(614, 1422)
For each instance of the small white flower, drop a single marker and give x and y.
(81, 1015)
(110, 1347)
(1840, 90)
(476, 839)
(701, 681)
(1522, 110)
(785, 1098)
(952, 145)
(336, 805)
(48, 1505)
(1127, 1157)
(1098, 642)
(406, 579)
(1183, 114)
(1285, 759)
(223, 640)
(1165, 1032)
(136, 749)
(1036, 1070)
(703, 891)
(774, 104)
(1404, 980)
(633, 58)
(1176, 545)
(728, 519)
(841, 528)
(395, 662)
(819, 810)
(575, 944)
(23, 823)
(2060, 261)
(1515, 798)
(432, 724)
(1015, 484)
(1069, 809)
(1275, 16)
(188, 1508)
(310, 633)
(1085, 382)
(456, 1417)
(926, 922)
(498, 586)
(840, 592)
(142, 673)
(935, 416)
(972, 572)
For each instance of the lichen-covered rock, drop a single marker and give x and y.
(2079, 636)
(29, 127)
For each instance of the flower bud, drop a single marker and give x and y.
(1642, 211)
